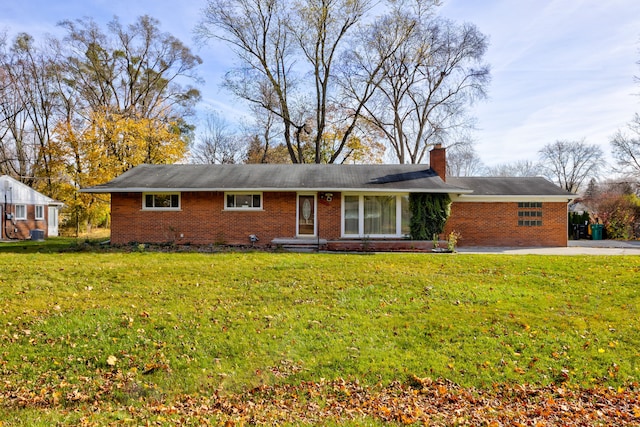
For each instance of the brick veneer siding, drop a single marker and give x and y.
(24, 226)
(203, 220)
(496, 224)
(329, 216)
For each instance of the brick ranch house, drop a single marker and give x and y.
(26, 213)
(332, 206)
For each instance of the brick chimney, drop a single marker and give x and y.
(438, 161)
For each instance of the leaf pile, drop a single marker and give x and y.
(416, 401)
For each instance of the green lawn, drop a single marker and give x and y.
(124, 329)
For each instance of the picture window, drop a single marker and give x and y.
(376, 215)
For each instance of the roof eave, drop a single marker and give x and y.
(515, 198)
(271, 189)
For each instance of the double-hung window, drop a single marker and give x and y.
(21, 212)
(39, 211)
(161, 201)
(376, 215)
(243, 201)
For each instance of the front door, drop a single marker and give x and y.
(52, 221)
(306, 215)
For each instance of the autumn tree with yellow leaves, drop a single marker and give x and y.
(104, 101)
(107, 146)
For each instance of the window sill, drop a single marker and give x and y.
(375, 236)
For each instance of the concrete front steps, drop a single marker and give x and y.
(300, 244)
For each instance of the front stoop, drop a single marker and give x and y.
(300, 244)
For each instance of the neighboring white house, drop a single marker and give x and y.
(26, 213)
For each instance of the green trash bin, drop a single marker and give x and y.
(596, 231)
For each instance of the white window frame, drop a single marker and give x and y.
(243, 208)
(161, 208)
(39, 215)
(23, 215)
(361, 234)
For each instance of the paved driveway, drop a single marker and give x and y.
(576, 247)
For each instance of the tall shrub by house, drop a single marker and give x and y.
(429, 214)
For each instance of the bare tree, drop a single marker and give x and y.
(463, 160)
(257, 31)
(428, 83)
(216, 144)
(311, 65)
(135, 70)
(517, 168)
(571, 163)
(320, 28)
(626, 148)
(29, 106)
(14, 156)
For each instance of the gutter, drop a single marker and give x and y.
(451, 190)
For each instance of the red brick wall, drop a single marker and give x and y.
(496, 224)
(329, 216)
(203, 220)
(24, 226)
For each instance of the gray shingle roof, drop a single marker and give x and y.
(509, 186)
(265, 177)
(313, 177)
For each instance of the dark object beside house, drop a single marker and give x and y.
(37, 235)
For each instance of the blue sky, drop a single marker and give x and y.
(561, 69)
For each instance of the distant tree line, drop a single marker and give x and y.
(569, 164)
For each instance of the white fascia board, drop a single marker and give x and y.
(262, 189)
(511, 198)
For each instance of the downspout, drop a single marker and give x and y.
(4, 209)
(12, 221)
(5, 216)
